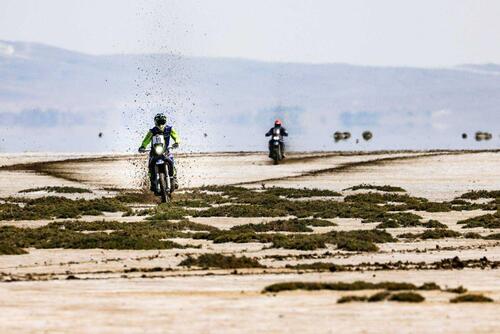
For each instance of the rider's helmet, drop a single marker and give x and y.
(277, 122)
(160, 119)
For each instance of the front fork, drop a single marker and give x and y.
(156, 177)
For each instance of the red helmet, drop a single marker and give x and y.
(277, 122)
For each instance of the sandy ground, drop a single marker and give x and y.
(108, 298)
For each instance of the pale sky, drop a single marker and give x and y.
(369, 32)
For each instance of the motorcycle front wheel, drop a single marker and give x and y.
(164, 188)
(277, 155)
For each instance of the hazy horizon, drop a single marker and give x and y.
(228, 104)
(426, 33)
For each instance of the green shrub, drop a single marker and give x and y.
(299, 193)
(338, 286)
(471, 298)
(408, 297)
(60, 190)
(220, 261)
(293, 225)
(8, 249)
(486, 221)
(386, 188)
(379, 296)
(348, 299)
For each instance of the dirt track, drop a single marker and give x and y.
(107, 298)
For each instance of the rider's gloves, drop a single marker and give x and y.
(175, 145)
(142, 149)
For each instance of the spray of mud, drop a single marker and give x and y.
(163, 84)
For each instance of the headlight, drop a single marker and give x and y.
(158, 149)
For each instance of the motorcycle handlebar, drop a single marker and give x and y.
(149, 150)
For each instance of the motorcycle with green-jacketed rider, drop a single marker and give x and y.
(162, 171)
(277, 144)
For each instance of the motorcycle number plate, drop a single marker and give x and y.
(158, 140)
(160, 162)
(276, 137)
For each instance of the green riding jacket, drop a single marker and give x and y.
(150, 134)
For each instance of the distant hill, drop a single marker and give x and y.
(55, 99)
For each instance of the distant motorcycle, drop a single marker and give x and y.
(275, 147)
(163, 161)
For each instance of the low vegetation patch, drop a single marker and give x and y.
(58, 207)
(357, 240)
(458, 290)
(478, 194)
(301, 242)
(432, 234)
(471, 298)
(143, 197)
(299, 193)
(448, 264)
(317, 266)
(144, 227)
(169, 212)
(434, 224)
(105, 235)
(395, 220)
(378, 297)
(494, 236)
(408, 297)
(241, 210)
(339, 286)
(220, 261)
(348, 299)
(386, 188)
(198, 199)
(293, 225)
(486, 221)
(60, 190)
(7, 248)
